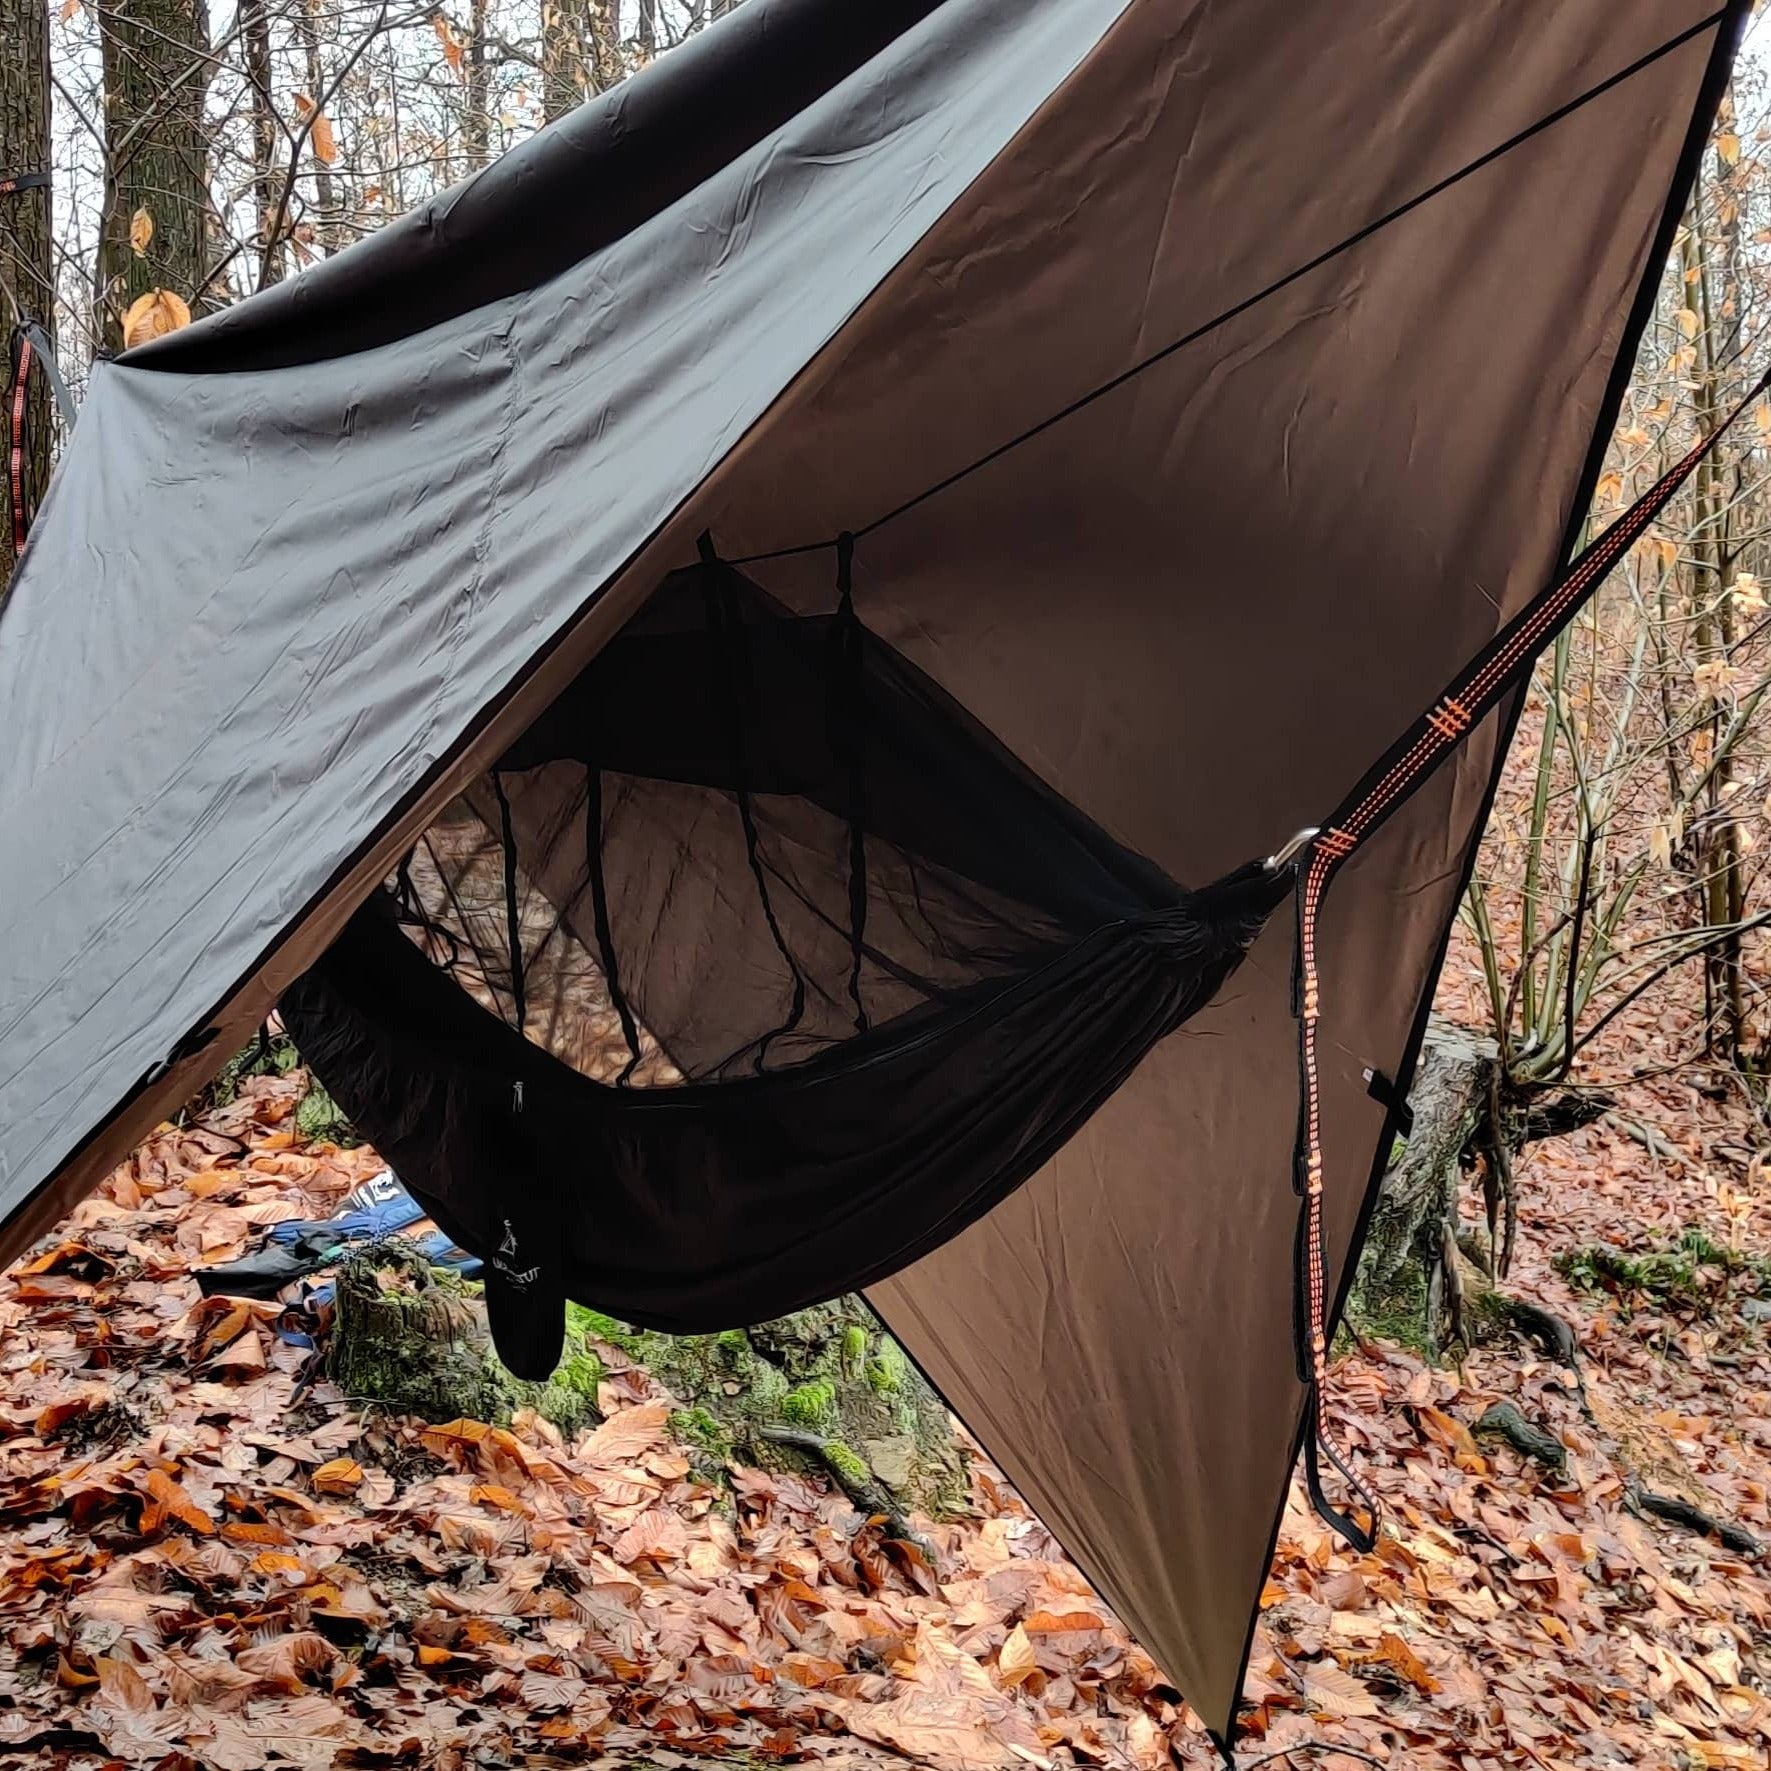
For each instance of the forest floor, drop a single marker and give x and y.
(209, 1559)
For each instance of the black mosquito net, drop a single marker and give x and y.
(754, 970)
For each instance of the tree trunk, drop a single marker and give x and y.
(414, 1337)
(1404, 1247)
(156, 72)
(476, 120)
(27, 286)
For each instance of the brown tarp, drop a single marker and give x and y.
(311, 601)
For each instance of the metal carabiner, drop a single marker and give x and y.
(1309, 835)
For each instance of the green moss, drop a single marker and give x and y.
(888, 1369)
(1396, 1312)
(854, 1349)
(850, 1467)
(810, 1405)
(700, 1431)
(595, 1325)
(318, 1116)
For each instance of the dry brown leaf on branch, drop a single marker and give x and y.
(450, 39)
(154, 315)
(325, 144)
(141, 231)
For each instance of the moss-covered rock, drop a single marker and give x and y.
(831, 1371)
(413, 1338)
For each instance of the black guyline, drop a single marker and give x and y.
(1547, 121)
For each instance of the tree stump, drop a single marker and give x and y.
(1405, 1246)
(1423, 1279)
(414, 1337)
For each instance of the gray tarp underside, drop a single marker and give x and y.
(264, 609)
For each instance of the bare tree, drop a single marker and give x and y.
(255, 44)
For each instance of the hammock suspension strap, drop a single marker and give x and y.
(1498, 668)
(17, 404)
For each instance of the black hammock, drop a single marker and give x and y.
(756, 969)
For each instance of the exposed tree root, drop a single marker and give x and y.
(1504, 1421)
(1548, 1330)
(1678, 1511)
(853, 1476)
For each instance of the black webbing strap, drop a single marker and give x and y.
(599, 910)
(38, 339)
(1499, 668)
(513, 921)
(11, 183)
(847, 722)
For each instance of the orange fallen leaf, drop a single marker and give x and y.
(64, 1254)
(254, 1531)
(812, 1670)
(343, 1475)
(57, 1415)
(624, 1436)
(1046, 1623)
(172, 1500)
(53, 1288)
(211, 1181)
(1399, 1655)
(492, 1494)
(122, 1684)
(1453, 1434)
(70, 1676)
